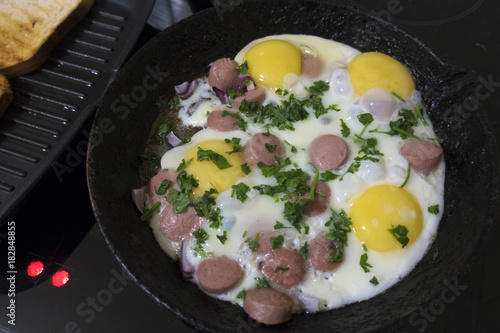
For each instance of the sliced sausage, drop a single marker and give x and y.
(320, 250)
(263, 148)
(268, 306)
(311, 65)
(284, 267)
(222, 73)
(254, 95)
(424, 156)
(265, 241)
(219, 274)
(179, 227)
(321, 199)
(218, 122)
(155, 183)
(327, 152)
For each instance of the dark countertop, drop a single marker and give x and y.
(56, 224)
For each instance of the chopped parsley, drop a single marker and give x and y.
(201, 237)
(270, 148)
(240, 190)
(420, 115)
(407, 176)
(242, 294)
(340, 225)
(152, 162)
(209, 155)
(281, 92)
(167, 126)
(180, 199)
(281, 269)
(245, 168)
(304, 250)
(279, 225)
(398, 97)
(400, 233)
(403, 126)
(434, 209)
(163, 187)
(261, 283)
(237, 148)
(222, 238)
(327, 176)
(345, 130)
(173, 102)
(277, 242)
(241, 123)
(204, 207)
(253, 244)
(243, 68)
(363, 262)
(183, 165)
(148, 213)
(374, 281)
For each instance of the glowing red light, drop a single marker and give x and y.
(35, 268)
(60, 278)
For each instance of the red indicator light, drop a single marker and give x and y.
(35, 268)
(60, 278)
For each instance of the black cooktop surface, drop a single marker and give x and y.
(67, 280)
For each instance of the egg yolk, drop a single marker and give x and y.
(377, 70)
(207, 172)
(381, 208)
(270, 60)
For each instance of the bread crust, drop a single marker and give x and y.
(52, 38)
(6, 95)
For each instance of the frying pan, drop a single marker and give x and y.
(182, 52)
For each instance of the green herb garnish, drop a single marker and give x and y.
(261, 283)
(434, 209)
(240, 190)
(400, 233)
(345, 130)
(363, 262)
(340, 225)
(209, 155)
(277, 242)
(148, 213)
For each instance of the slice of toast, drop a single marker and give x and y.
(30, 29)
(6, 95)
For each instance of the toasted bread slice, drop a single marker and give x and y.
(6, 95)
(30, 29)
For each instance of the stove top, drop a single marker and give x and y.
(67, 280)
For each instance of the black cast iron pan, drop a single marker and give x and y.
(182, 52)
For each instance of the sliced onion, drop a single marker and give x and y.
(186, 268)
(239, 87)
(223, 96)
(192, 109)
(307, 303)
(186, 89)
(173, 140)
(139, 197)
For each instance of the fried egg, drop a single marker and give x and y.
(378, 192)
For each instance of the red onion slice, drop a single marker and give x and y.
(192, 109)
(139, 197)
(186, 89)
(186, 268)
(240, 87)
(173, 140)
(223, 96)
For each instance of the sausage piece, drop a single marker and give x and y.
(179, 227)
(424, 156)
(311, 65)
(254, 95)
(219, 274)
(321, 200)
(155, 183)
(222, 73)
(320, 250)
(327, 152)
(263, 148)
(265, 241)
(268, 306)
(218, 122)
(284, 267)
